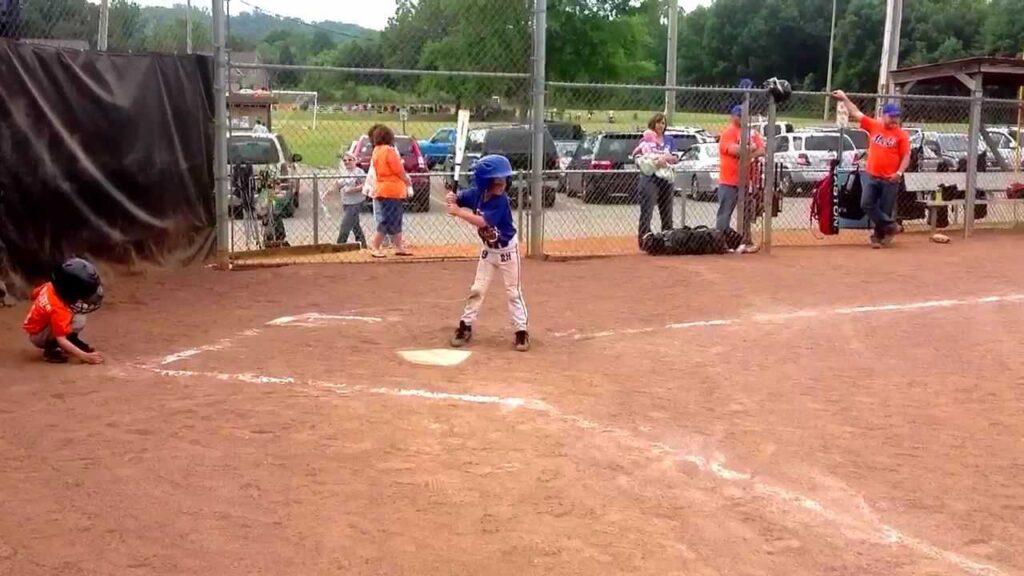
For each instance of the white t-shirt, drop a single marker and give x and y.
(352, 186)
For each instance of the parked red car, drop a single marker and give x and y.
(415, 166)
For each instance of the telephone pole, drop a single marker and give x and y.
(890, 43)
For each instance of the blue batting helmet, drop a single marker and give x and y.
(489, 168)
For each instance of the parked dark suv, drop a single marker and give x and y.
(609, 152)
(565, 131)
(516, 144)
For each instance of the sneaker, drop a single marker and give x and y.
(55, 356)
(463, 334)
(876, 242)
(890, 233)
(522, 341)
(80, 344)
(378, 254)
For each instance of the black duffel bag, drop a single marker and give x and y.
(691, 241)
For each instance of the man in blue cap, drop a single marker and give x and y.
(888, 158)
(729, 170)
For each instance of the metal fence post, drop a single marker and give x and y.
(741, 200)
(316, 208)
(670, 60)
(682, 206)
(188, 26)
(540, 27)
(769, 177)
(973, 139)
(520, 227)
(220, 148)
(102, 35)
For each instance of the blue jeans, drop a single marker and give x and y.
(727, 198)
(877, 199)
(389, 214)
(653, 192)
(350, 225)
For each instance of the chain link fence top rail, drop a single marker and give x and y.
(130, 27)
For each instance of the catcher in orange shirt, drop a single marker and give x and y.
(57, 316)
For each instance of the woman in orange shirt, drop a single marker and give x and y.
(392, 189)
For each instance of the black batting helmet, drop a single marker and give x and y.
(78, 284)
(780, 90)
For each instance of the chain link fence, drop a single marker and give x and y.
(605, 204)
(608, 204)
(1001, 174)
(115, 25)
(808, 147)
(291, 128)
(288, 126)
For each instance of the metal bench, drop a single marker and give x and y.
(932, 207)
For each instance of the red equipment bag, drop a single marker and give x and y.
(823, 204)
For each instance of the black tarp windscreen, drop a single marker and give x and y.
(106, 155)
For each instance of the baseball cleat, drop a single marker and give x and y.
(463, 334)
(522, 341)
(55, 356)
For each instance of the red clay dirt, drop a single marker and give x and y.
(872, 442)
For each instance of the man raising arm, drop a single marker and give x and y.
(888, 158)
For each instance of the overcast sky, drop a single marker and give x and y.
(367, 13)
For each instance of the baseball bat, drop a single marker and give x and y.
(461, 130)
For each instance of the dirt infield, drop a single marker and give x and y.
(829, 411)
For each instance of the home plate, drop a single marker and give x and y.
(437, 357)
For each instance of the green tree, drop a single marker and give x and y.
(858, 49)
(1003, 32)
(60, 19)
(126, 26)
(601, 41)
(172, 36)
(590, 42)
(321, 42)
(942, 30)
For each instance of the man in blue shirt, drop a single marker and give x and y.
(486, 206)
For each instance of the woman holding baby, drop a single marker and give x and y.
(657, 179)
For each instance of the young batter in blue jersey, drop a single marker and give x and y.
(486, 206)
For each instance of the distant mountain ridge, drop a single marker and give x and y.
(254, 26)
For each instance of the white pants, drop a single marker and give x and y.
(45, 336)
(506, 262)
